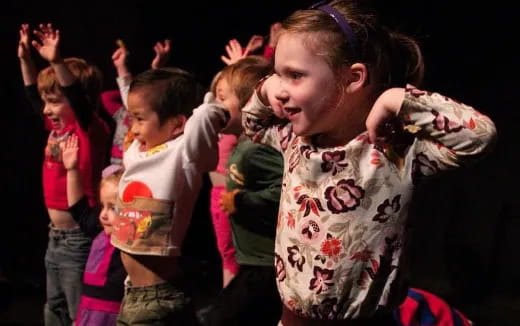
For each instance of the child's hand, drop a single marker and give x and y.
(120, 58)
(255, 42)
(234, 52)
(227, 201)
(69, 152)
(162, 54)
(384, 109)
(24, 49)
(267, 93)
(48, 47)
(274, 34)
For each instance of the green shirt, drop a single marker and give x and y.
(257, 171)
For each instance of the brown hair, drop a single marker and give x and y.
(392, 58)
(89, 77)
(244, 74)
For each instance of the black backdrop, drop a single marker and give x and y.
(465, 223)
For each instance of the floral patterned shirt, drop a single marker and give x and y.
(343, 210)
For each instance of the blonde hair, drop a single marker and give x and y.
(111, 174)
(89, 77)
(244, 74)
(392, 58)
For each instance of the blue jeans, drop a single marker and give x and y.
(65, 260)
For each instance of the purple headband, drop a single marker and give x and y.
(110, 170)
(341, 21)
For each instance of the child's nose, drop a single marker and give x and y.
(134, 130)
(282, 96)
(46, 109)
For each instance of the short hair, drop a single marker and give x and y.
(88, 75)
(170, 91)
(244, 74)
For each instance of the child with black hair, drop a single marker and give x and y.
(173, 147)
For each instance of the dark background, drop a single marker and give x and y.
(465, 223)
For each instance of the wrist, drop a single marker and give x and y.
(260, 90)
(56, 61)
(395, 98)
(122, 72)
(25, 59)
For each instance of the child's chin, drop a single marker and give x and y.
(142, 147)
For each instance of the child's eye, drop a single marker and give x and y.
(295, 75)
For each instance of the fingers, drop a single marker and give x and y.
(274, 33)
(117, 54)
(24, 32)
(162, 48)
(71, 142)
(120, 44)
(36, 45)
(226, 60)
(47, 33)
(255, 42)
(235, 46)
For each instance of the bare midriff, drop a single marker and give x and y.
(61, 219)
(146, 270)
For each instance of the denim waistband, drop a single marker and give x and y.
(54, 231)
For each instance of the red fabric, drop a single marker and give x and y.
(421, 308)
(111, 101)
(268, 52)
(226, 145)
(222, 228)
(93, 147)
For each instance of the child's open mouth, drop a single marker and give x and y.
(55, 122)
(292, 111)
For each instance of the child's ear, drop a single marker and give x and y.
(356, 77)
(177, 124)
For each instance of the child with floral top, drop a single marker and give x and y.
(355, 141)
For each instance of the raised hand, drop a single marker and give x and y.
(274, 34)
(162, 54)
(269, 94)
(255, 42)
(234, 52)
(385, 108)
(69, 152)
(24, 49)
(120, 59)
(48, 47)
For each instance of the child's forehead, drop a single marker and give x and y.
(51, 95)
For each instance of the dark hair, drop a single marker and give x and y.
(244, 74)
(170, 91)
(392, 58)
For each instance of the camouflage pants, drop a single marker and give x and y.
(160, 304)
